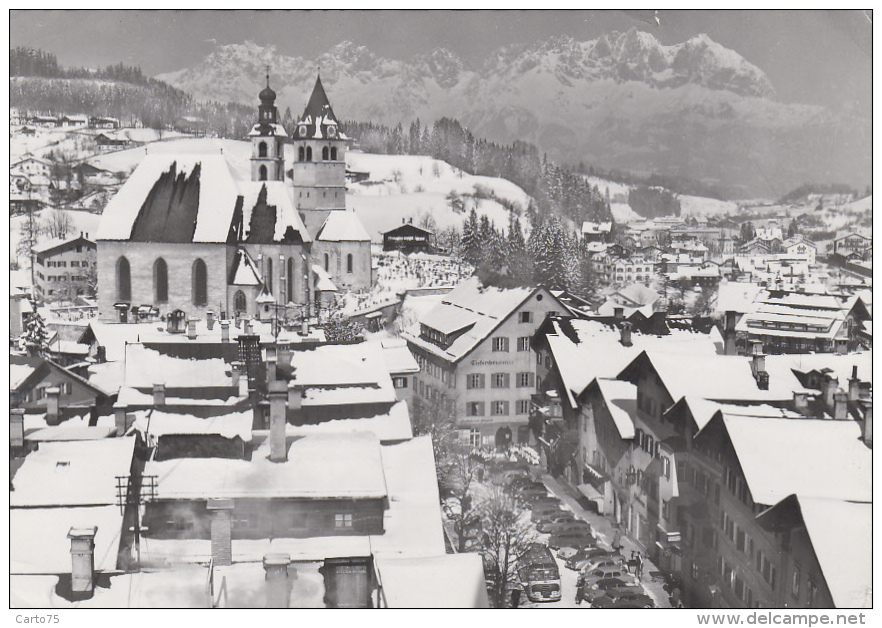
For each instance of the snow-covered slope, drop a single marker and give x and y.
(623, 100)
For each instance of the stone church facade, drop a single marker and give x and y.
(192, 233)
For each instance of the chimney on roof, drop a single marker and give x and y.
(225, 331)
(249, 326)
(840, 405)
(758, 359)
(271, 362)
(278, 579)
(304, 326)
(158, 394)
(800, 401)
(209, 320)
(295, 401)
(829, 387)
(626, 334)
(53, 395)
(82, 555)
(191, 328)
(120, 418)
(16, 428)
(867, 426)
(618, 313)
(854, 385)
(236, 368)
(221, 531)
(278, 392)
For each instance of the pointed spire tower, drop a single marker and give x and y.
(318, 158)
(267, 138)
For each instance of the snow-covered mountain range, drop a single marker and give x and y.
(623, 100)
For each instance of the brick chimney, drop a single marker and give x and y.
(209, 320)
(854, 385)
(278, 579)
(295, 402)
(830, 386)
(16, 427)
(625, 333)
(840, 405)
(53, 395)
(867, 425)
(191, 328)
(119, 415)
(158, 394)
(271, 362)
(249, 327)
(304, 326)
(278, 391)
(800, 401)
(618, 313)
(225, 331)
(221, 531)
(82, 555)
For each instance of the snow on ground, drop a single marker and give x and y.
(699, 207)
(619, 190)
(623, 213)
(238, 154)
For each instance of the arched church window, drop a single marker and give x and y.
(290, 279)
(301, 154)
(309, 153)
(327, 262)
(349, 263)
(261, 149)
(123, 280)
(263, 173)
(160, 281)
(333, 153)
(239, 303)
(269, 275)
(325, 154)
(200, 283)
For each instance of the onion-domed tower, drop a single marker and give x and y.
(267, 139)
(317, 154)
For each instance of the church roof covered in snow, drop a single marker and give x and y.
(318, 120)
(178, 198)
(342, 226)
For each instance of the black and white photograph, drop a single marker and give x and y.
(441, 309)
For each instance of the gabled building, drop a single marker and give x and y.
(476, 363)
(64, 268)
(41, 386)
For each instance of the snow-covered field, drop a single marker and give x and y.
(77, 141)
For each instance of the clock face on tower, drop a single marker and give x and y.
(302, 130)
(332, 132)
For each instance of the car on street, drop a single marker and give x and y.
(547, 501)
(618, 598)
(604, 585)
(619, 572)
(541, 512)
(539, 574)
(565, 553)
(578, 560)
(532, 490)
(578, 541)
(545, 524)
(570, 526)
(604, 561)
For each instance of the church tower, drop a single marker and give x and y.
(267, 139)
(317, 154)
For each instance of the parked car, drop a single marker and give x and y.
(542, 508)
(545, 501)
(569, 526)
(604, 561)
(547, 523)
(578, 560)
(565, 553)
(623, 599)
(607, 572)
(578, 541)
(604, 585)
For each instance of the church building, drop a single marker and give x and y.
(194, 233)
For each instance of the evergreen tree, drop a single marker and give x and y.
(471, 239)
(517, 259)
(35, 337)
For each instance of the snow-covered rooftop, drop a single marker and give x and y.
(340, 365)
(278, 195)
(318, 465)
(246, 272)
(448, 581)
(343, 226)
(157, 423)
(621, 400)
(145, 367)
(398, 357)
(810, 457)
(74, 473)
(393, 425)
(39, 542)
(18, 373)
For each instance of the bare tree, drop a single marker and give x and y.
(458, 470)
(506, 536)
(57, 224)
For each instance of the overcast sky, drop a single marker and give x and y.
(810, 56)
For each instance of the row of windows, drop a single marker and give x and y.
(198, 276)
(304, 153)
(251, 520)
(499, 380)
(497, 408)
(350, 265)
(736, 534)
(430, 368)
(61, 277)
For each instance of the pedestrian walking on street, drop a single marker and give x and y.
(639, 565)
(617, 540)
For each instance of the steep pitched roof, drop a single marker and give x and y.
(342, 226)
(318, 120)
